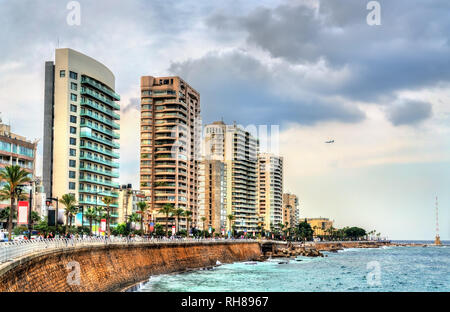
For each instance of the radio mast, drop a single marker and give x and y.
(437, 240)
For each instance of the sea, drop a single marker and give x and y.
(388, 269)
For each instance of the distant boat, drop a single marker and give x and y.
(218, 262)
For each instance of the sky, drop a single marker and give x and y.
(316, 68)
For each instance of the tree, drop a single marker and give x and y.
(134, 217)
(69, 201)
(13, 176)
(108, 201)
(188, 214)
(355, 232)
(142, 209)
(91, 215)
(167, 209)
(230, 221)
(35, 218)
(177, 213)
(305, 231)
(4, 215)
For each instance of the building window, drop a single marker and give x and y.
(71, 185)
(72, 163)
(72, 174)
(73, 97)
(73, 75)
(73, 108)
(73, 141)
(73, 86)
(73, 130)
(73, 119)
(72, 152)
(62, 73)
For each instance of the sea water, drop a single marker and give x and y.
(355, 269)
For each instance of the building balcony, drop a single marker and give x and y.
(96, 203)
(111, 174)
(100, 87)
(101, 119)
(99, 193)
(86, 91)
(92, 126)
(99, 150)
(98, 139)
(100, 182)
(99, 160)
(104, 110)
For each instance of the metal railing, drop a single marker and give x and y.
(16, 249)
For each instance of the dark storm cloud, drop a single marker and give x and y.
(238, 87)
(409, 50)
(409, 112)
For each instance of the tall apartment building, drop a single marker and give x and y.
(237, 149)
(291, 212)
(80, 130)
(270, 191)
(16, 150)
(212, 195)
(170, 114)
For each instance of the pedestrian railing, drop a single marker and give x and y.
(16, 249)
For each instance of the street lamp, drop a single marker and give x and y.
(49, 202)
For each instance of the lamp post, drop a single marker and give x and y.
(49, 200)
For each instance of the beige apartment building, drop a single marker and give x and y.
(80, 130)
(237, 149)
(169, 156)
(212, 195)
(320, 225)
(16, 150)
(270, 191)
(127, 201)
(291, 213)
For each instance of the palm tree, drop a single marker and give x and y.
(177, 213)
(134, 217)
(230, 221)
(167, 209)
(108, 201)
(91, 214)
(188, 214)
(13, 176)
(69, 201)
(203, 221)
(142, 208)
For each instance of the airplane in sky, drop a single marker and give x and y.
(329, 142)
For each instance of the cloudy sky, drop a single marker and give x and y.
(316, 68)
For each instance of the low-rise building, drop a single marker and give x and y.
(320, 225)
(16, 150)
(127, 201)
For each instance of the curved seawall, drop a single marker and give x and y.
(115, 267)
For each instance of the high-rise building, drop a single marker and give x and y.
(170, 142)
(212, 195)
(291, 212)
(237, 149)
(270, 191)
(80, 130)
(16, 150)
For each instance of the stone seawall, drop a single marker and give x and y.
(115, 267)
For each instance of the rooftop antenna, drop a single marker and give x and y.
(437, 240)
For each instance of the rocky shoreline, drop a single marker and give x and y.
(293, 250)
